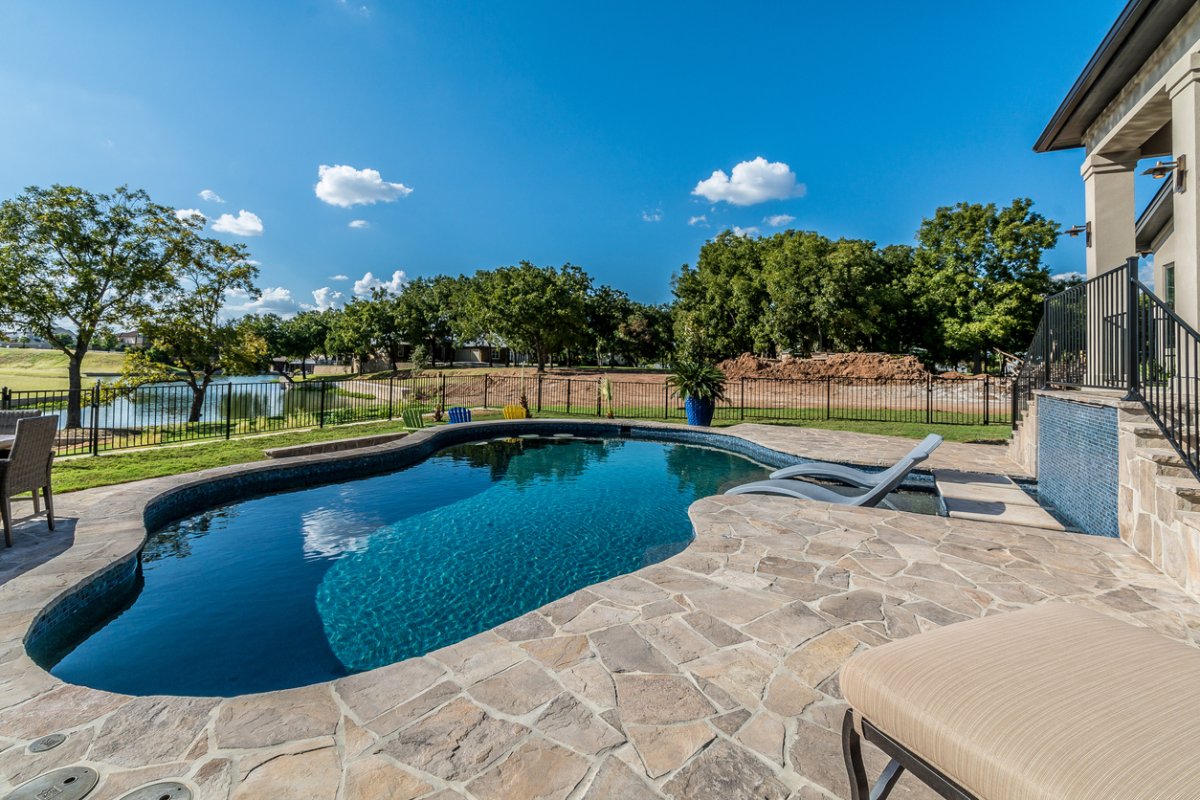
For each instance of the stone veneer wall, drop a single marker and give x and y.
(1077, 457)
(1159, 500)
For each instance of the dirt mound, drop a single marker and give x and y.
(833, 365)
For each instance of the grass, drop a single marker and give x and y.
(86, 472)
(27, 369)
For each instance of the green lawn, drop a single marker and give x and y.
(85, 472)
(26, 370)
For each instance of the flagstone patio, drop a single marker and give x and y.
(710, 675)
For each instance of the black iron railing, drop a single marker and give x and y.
(113, 418)
(1113, 332)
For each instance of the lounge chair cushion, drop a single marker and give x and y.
(1056, 702)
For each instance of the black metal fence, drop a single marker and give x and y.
(1113, 332)
(112, 418)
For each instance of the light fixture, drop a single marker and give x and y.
(1075, 230)
(1161, 169)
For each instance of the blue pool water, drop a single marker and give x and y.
(307, 586)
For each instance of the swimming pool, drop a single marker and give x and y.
(305, 586)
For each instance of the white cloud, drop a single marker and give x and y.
(779, 220)
(339, 277)
(272, 300)
(751, 182)
(747, 232)
(368, 282)
(359, 223)
(346, 186)
(191, 213)
(652, 216)
(698, 222)
(209, 196)
(326, 298)
(244, 224)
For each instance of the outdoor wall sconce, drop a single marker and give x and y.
(1086, 229)
(1160, 170)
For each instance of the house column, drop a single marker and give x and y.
(1108, 195)
(1184, 91)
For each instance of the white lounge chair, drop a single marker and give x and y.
(857, 477)
(868, 497)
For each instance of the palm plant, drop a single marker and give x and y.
(701, 385)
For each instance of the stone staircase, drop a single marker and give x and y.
(1159, 505)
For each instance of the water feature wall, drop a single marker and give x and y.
(1078, 463)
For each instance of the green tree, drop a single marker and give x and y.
(646, 335)
(540, 310)
(188, 339)
(979, 277)
(303, 336)
(605, 310)
(68, 256)
(723, 302)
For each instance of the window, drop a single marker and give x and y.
(1169, 285)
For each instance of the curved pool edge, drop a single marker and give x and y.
(102, 559)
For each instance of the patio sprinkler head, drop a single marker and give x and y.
(48, 742)
(68, 783)
(165, 790)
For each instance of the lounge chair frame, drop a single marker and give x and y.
(901, 759)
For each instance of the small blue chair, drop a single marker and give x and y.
(459, 414)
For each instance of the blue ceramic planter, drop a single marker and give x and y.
(699, 412)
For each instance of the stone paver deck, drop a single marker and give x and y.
(710, 675)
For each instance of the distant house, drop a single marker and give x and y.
(131, 339)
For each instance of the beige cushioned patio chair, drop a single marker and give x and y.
(27, 468)
(1057, 702)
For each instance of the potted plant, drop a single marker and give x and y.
(701, 385)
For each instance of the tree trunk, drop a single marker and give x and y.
(198, 392)
(541, 359)
(75, 389)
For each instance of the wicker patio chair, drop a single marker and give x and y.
(8, 420)
(27, 468)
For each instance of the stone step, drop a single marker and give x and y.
(1187, 489)
(990, 498)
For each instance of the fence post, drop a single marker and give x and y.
(539, 393)
(391, 394)
(443, 377)
(1131, 328)
(599, 398)
(742, 400)
(6, 397)
(985, 399)
(929, 400)
(96, 419)
(568, 395)
(321, 413)
(228, 410)
(828, 383)
(1046, 343)
(485, 385)
(1014, 410)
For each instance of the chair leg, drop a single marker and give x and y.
(49, 505)
(37, 506)
(6, 513)
(852, 752)
(860, 788)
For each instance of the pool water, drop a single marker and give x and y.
(307, 586)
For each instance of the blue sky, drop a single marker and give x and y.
(546, 131)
